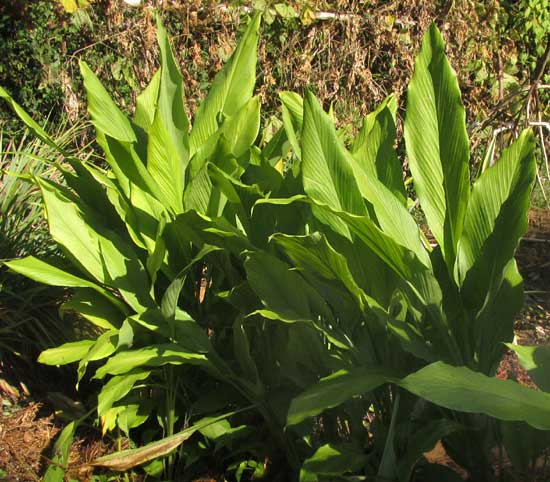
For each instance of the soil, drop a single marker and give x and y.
(29, 424)
(28, 430)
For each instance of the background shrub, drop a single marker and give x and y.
(362, 55)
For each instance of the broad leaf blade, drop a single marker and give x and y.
(463, 390)
(46, 273)
(373, 148)
(332, 459)
(495, 221)
(389, 212)
(241, 129)
(106, 116)
(96, 249)
(152, 356)
(314, 254)
(168, 146)
(146, 103)
(536, 361)
(104, 346)
(293, 119)
(283, 291)
(335, 390)
(327, 175)
(231, 89)
(95, 308)
(67, 353)
(117, 388)
(494, 324)
(437, 143)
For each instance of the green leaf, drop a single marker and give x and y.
(70, 231)
(420, 280)
(117, 388)
(133, 415)
(198, 192)
(288, 297)
(171, 296)
(463, 390)
(199, 230)
(131, 173)
(402, 260)
(283, 291)
(146, 103)
(387, 469)
(164, 164)
(241, 347)
(171, 96)
(104, 346)
(335, 459)
(231, 141)
(335, 390)
(390, 213)
(142, 214)
(314, 254)
(536, 361)
(125, 337)
(67, 353)
(373, 148)
(152, 356)
(495, 221)
(106, 116)
(411, 339)
(327, 175)
(216, 429)
(494, 324)
(60, 457)
(231, 89)
(241, 196)
(239, 131)
(293, 119)
(168, 146)
(437, 143)
(46, 273)
(96, 309)
(97, 250)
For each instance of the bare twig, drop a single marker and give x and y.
(544, 151)
(539, 72)
(540, 124)
(540, 69)
(536, 240)
(316, 15)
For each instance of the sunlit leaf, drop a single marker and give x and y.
(437, 143)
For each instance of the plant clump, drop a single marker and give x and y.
(265, 305)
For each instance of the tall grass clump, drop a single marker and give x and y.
(30, 320)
